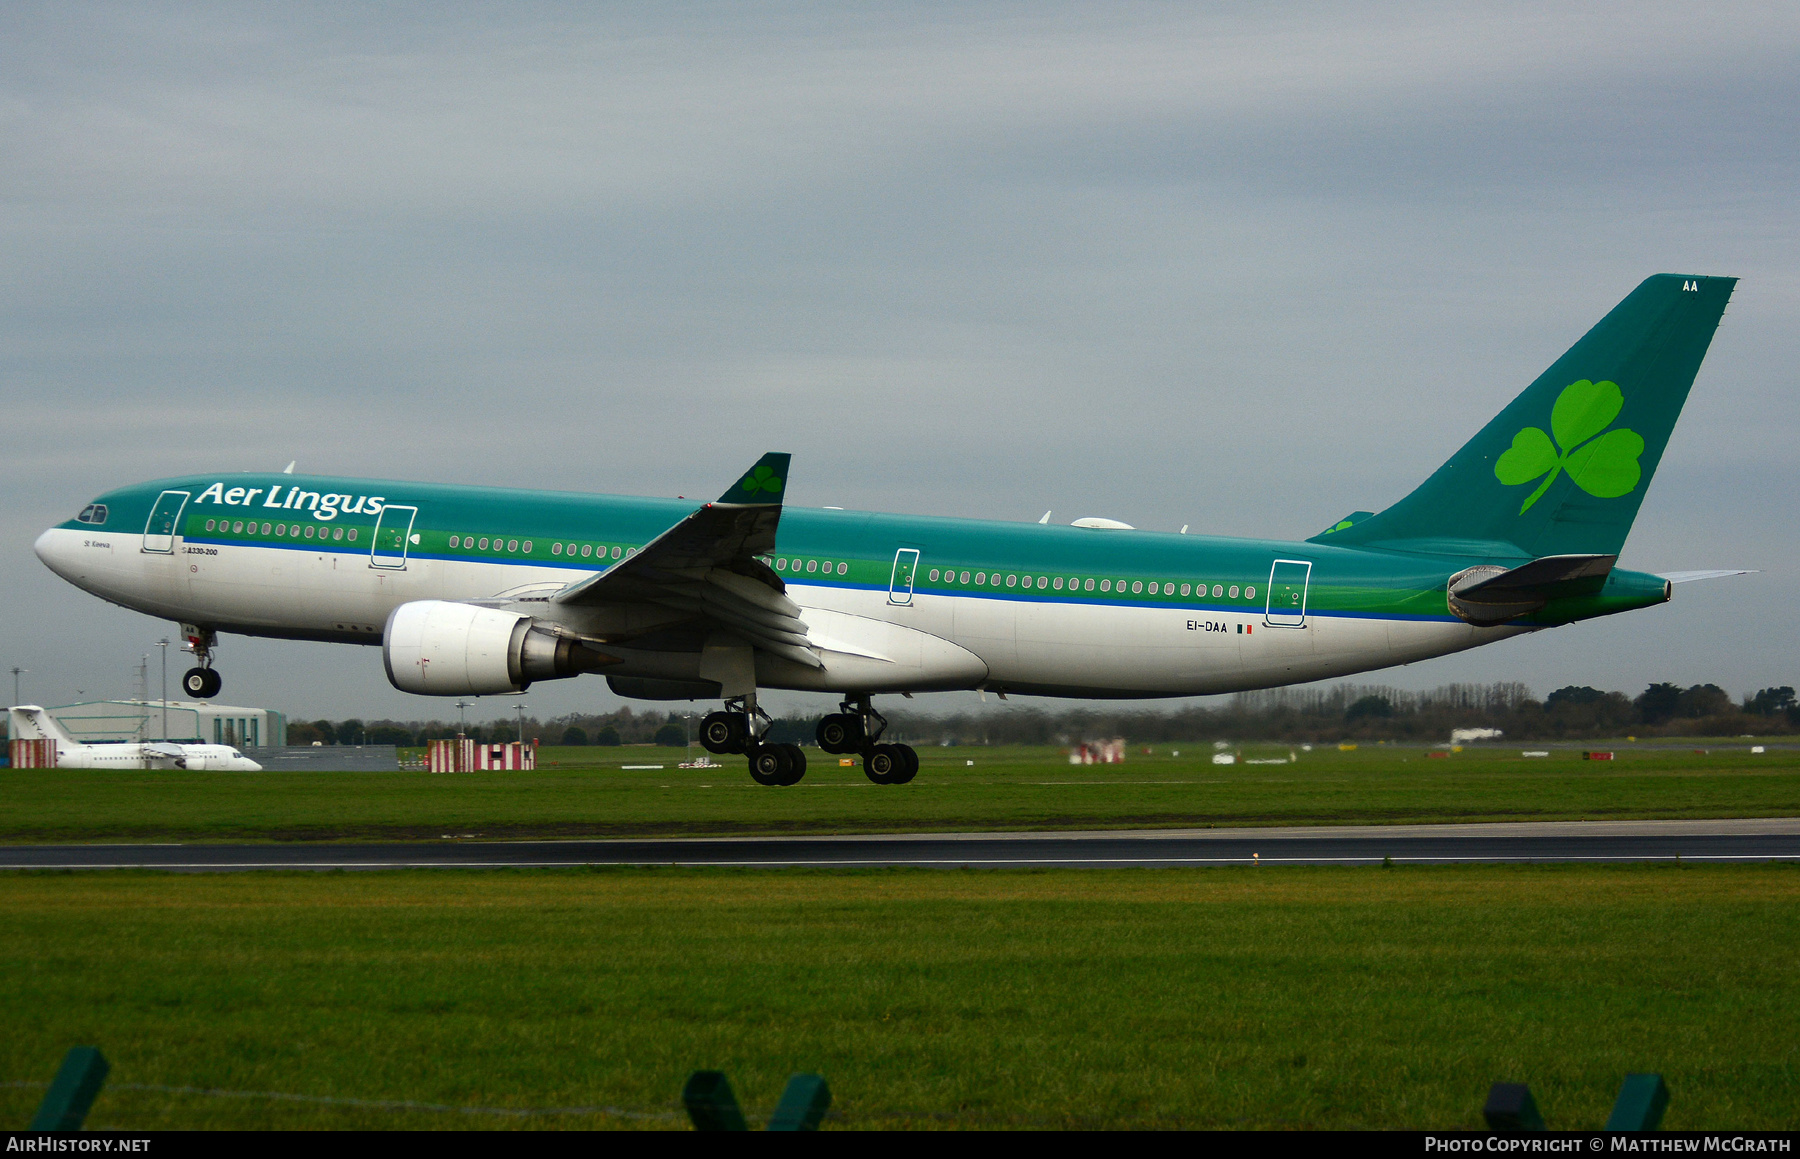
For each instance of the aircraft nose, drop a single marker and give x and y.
(49, 549)
(57, 549)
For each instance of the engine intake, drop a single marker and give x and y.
(439, 648)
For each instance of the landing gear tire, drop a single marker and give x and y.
(771, 764)
(726, 732)
(883, 762)
(201, 683)
(841, 733)
(910, 765)
(796, 764)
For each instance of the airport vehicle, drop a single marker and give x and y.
(30, 722)
(471, 590)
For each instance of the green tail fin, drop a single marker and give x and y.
(1563, 469)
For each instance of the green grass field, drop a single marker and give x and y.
(1204, 998)
(582, 792)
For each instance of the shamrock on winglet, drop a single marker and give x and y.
(762, 479)
(1605, 467)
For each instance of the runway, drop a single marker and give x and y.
(1766, 839)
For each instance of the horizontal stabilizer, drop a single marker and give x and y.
(1491, 595)
(1688, 577)
(1548, 576)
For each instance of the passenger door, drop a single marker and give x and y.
(900, 585)
(393, 535)
(165, 517)
(1288, 579)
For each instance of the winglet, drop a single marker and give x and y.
(762, 485)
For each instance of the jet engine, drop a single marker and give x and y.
(438, 648)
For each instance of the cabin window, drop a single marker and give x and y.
(843, 569)
(934, 575)
(528, 547)
(1155, 589)
(556, 549)
(352, 536)
(456, 541)
(586, 547)
(1184, 589)
(209, 525)
(281, 529)
(1106, 585)
(309, 531)
(1057, 584)
(1233, 592)
(1218, 590)
(483, 545)
(812, 565)
(337, 533)
(512, 545)
(1088, 586)
(1249, 593)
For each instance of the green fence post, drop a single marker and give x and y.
(1510, 1107)
(803, 1104)
(1642, 1100)
(78, 1080)
(710, 1103)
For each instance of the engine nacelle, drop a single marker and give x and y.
(438, 648)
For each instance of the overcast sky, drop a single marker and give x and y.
(1242, 267)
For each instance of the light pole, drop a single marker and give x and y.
(461, 726)
(521, 707)
(16, 671)
(164, 645)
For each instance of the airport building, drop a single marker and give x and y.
(189, 722)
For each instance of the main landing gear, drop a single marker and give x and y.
(202, 682)
(856, 728)
(741, 729)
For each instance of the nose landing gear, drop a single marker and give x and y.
(202, 682)
(856, 728)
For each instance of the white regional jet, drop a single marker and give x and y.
(29, 722)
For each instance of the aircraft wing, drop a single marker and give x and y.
(707, 566)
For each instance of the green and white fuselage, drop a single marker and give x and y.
(1030, 608)
(1517, 532)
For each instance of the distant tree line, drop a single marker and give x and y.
(622, 727)
(1341, 712)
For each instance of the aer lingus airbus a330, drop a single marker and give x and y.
(472, 590)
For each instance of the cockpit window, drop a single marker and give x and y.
(92, 513)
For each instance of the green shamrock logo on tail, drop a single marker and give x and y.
(761, 479)
(1604, 467)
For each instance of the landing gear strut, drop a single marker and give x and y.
(740, 728)
(856, 728)
(202, 682)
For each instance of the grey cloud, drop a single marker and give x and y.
(1234, 268)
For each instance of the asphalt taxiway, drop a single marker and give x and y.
(1762, 839)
